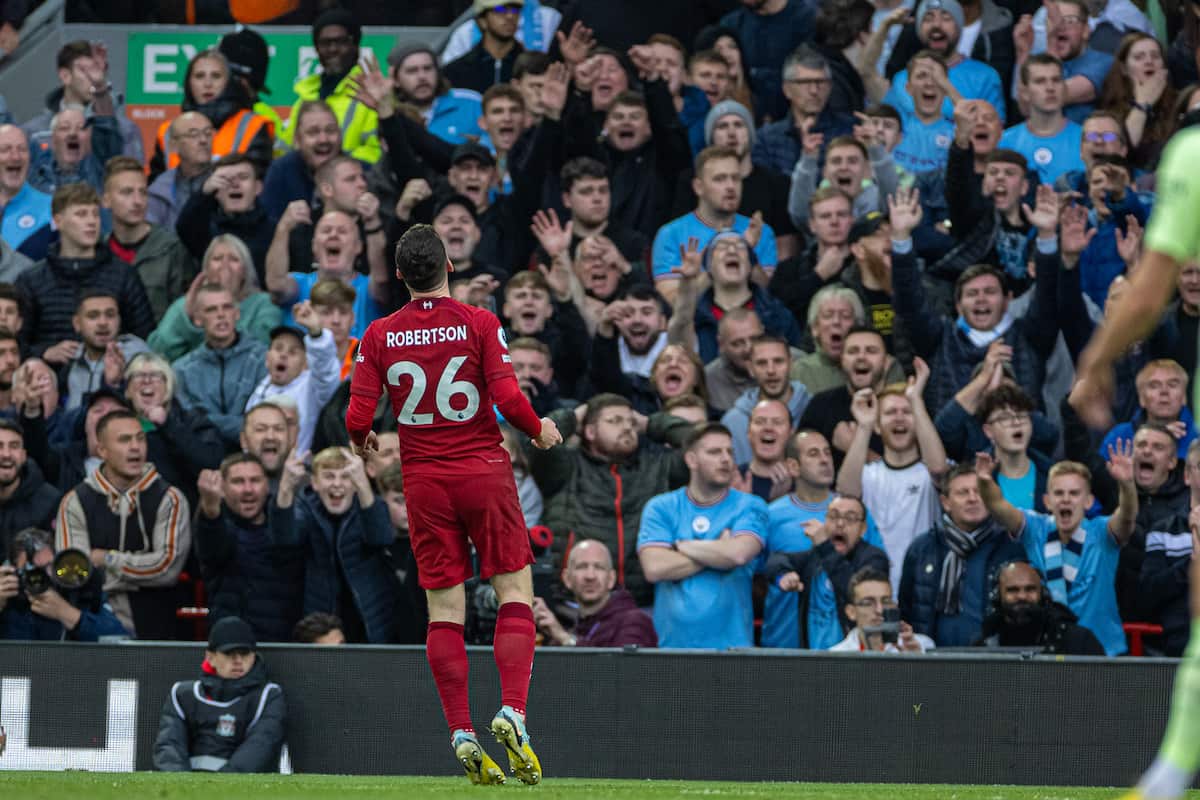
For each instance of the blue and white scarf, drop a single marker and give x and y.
(1062, 564)
(984, 338)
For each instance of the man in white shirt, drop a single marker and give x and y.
(870, 595)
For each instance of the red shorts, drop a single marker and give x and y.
(444, 512)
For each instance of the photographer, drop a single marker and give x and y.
(876, 618)
(32, 607)
(1024, 615)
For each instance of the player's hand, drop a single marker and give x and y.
(790, 582)
(549, 435)
(369, 445)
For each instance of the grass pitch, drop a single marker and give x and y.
(100, 786)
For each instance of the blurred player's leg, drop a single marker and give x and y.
(1175, 767)
(447, 654)
(513, 647)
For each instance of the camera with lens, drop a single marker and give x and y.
(70, 572)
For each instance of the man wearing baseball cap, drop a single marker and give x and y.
(492, 60)
(450, 114)
(337, 36)
(232, 719)
(939, 27)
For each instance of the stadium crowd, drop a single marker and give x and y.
(803, 291)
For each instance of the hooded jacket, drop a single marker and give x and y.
(51, 288)
(203, 219)
(218, 725)
(348, 547)
(590, 498)
(165, 267)
(737, 419)
(620, 623)
(220, 382)
(146, 532)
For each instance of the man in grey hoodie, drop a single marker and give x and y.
(770, 361)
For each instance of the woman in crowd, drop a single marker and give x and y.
(1138, 91)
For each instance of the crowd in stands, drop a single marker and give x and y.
(801, 283)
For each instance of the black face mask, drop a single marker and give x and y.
(1024, 614)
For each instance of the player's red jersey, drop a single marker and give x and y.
(443, 364)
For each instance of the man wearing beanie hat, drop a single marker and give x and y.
(337, 35)
(492, 60)
(450, 114)
(939, 27)
(233, 719)
(248, 57)
(730, 124)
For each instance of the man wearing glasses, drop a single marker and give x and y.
(192, 134)
(870, 595)
(492, 60)
(1006, 415)
(820, 576)
(949, 570)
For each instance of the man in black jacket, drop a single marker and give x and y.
(822, 574)
(1171, 544)
(492, 60)
(228, 202)
(26, 499)
(50, 289)
(233, 719)
(1024, 615)
(246, 575)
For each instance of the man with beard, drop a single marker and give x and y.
(245, 575)
(49, 289)
(26, 499)
(266, 436)
(450, 114)
(728, 375)
(718, 188)
(1077, 555)
(533, 308)
(336, 246)
(835, 549)
(230, 201)
(697, 544)
(723, 282)
(102, 351)
(293, 176)
(927, 130)
(607, 617)
(865, 364)
(24, 211)
(77, 150)
(10, 360)
(491, 61)
(769, 363)
(1067, 34)
(1161, 400)
(1046, 138)
(796, 280)
(1022, 614)
(899, 490)
(766, 474)
(133, 524)
(939, 26)
(954, 347)
(949, 570)
(337, 35)
(598, 489)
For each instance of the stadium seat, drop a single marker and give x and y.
(1134, 631)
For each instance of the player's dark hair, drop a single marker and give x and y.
(704, 429)
(314, 626)
(421, 258)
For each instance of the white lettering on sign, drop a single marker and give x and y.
(306, 61)
(119, 753)
(161, 63)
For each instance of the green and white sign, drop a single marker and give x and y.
(158, 62)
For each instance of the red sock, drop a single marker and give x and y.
(447, 654)
(513, 647)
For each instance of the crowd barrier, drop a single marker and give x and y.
(631, 714)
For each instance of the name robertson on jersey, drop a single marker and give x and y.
(422, 336)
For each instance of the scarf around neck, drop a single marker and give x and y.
(962, 544)
(984, 338)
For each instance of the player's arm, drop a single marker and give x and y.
(364, 390)
(731, 551)
(506, 392)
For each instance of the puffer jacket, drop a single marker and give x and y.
(219, 725)
(588, 498)
(220, 382)
(351, 546)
